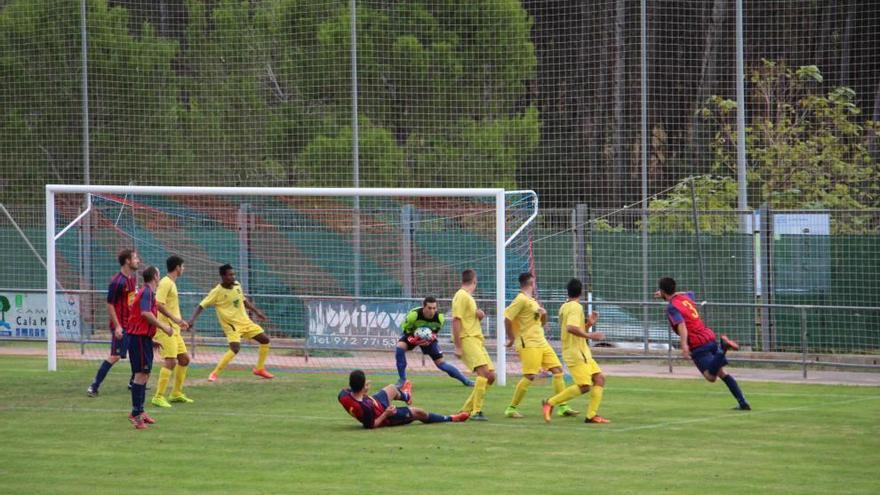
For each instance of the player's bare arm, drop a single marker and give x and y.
(192, 319)
(456, 335)
(480, 314)
(250, 307)
(117, 327)
(508, 327)
(387, 412)
(681, 330)
(148, 315)
(178, 321)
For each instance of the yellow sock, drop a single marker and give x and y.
(566, 395)
(179, 377)
(480, 388)
(595, 400)
(162, 383)
(521, 388)
(469, 403)
(224, 361)
(261, 359)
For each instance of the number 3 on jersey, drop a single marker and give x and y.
(691, 307)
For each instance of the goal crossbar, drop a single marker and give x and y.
(500, 241)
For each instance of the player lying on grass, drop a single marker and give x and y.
(697, 340)
(427, 317)
(377, 411)
(576, 353)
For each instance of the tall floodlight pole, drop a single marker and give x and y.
(741, 181)
(644, 105)
(355, 148)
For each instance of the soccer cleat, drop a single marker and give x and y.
(262, 373)
(212, 377)
(597, 419)
(407, 389)
(743, 407)
(469, 383)
(460, 417)
(566, 411)
(160, 401)
(479, 417)
(137, 421)
(92, 391)
(511, 412)
(728, 344)
(147, 419)
(181, 398)
(547, 410)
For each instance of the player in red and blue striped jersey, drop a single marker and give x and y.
(697, 340)
(142, 325)
(120, 295)
(377, 411)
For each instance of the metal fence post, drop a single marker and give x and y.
(406, 234)
(804, 340)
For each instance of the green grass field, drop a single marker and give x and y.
(290, 436)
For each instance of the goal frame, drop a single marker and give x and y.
(500, 233)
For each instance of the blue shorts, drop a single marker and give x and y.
(140, 353)
(706, 358)
(402, 416)
(117, 346)
(432, 349)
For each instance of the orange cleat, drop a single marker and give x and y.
(147, 419)
(547, 410)
(407, 388)
(460, 417)
(597, 419)
(137, 421)
(262, 373)
(728, 343)
(212, 377)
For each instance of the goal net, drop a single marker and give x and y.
(334, 270)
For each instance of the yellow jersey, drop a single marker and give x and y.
(166, 295)
(465, 309)
(523, 312)
(574, 348)
(229, 304)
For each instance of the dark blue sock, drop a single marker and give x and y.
(734, 389)
(437, 418)
(102, 373)
(135, 398)
(400, 357)
(453, 372)
(131, 379)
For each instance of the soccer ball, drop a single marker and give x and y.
(424, 334)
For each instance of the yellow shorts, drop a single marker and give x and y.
(582, 371)
(172, 345)
(474, 355)
(535, 358)
(234, 334)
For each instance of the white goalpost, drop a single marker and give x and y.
(507, 228)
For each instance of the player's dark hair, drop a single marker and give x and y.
(357, 380)
(124, 256)
(574, 288)
(225, 268)
(667, 285)
(468, 276)
(428, 300)
(524, 278)
(150, 274)
(173, 262)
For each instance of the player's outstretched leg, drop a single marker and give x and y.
(453, 372)
(400, 361)
(596, 399)
(728, 380)
(108, 363)
(260, 369)
(429, 417)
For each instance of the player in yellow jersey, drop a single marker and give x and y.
(467, 335)
(231, 305)
(584, 370)
(172, 348)
(524, 321)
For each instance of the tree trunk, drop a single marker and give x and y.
(618, 147)
(699, 134)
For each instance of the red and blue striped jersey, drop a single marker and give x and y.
(121, 294)
(683, 309)
(366, 410)
(145, 300)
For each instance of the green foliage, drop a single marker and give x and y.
(805, 148)
(673, 211)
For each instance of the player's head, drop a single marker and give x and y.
(227, 274)
(469, 278)
(429, 307)
(151, 274)
(128, 258)
(357, 380)
(173, 263)
(575, 288)
(526, 280)
(666, 286)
